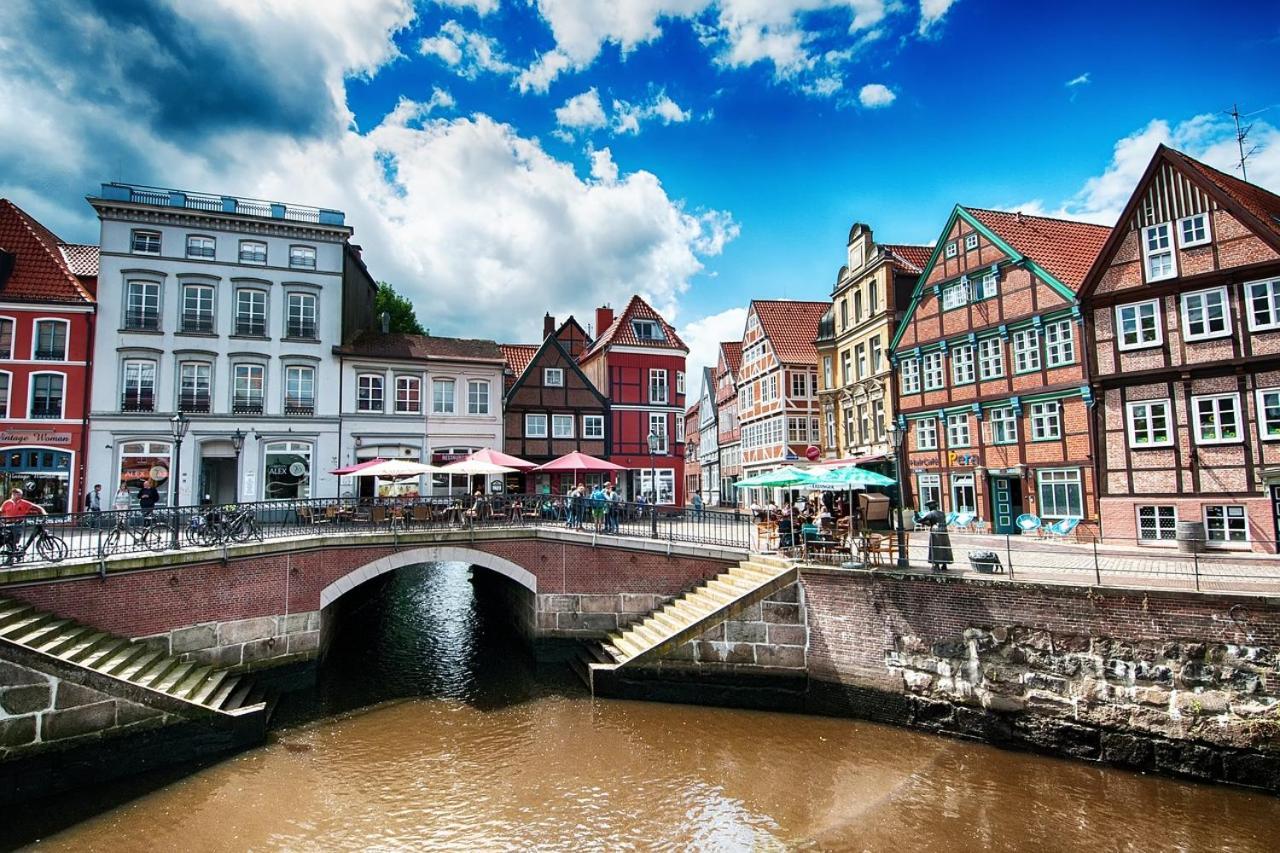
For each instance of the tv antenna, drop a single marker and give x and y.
(1242, 133)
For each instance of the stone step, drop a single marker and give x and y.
(105, 649)
(753, 574)
(219, 696)
(644, 634)
(615, 654)
(598, 653)
(83, 647)
(139, 664)
(667, 621)
(581, 665)
(27, 623)
(14, 613)
(210, 686)
(629, 647)
(172, 677)
(37, 635)
(184, 688)
(728, 592)
(157, 671)
(237, 697)
(120, 659)
(64, 639)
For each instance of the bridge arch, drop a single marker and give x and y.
(428, 554)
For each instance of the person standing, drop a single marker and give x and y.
(939, 540)
(598, 506)
(697, 505)
(613, 507)
(148, 496)
(93, 506)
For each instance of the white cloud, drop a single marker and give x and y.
(627, 117)
(482, 7)
(582, 112)
(469, 54)
(931, 14)
(703, 337)
(1079, 80)
(538, 76)
(603, 168)
(1210, 138)
(407, 112)
(874, 95)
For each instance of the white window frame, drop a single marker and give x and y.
(371, 392)
(1268, 428)
(35, 338)
(958, 433)
(145, 233)
(1183, 242)
(478, 394)
(189, 386)
(300, 306)
(147, 289)
(1066, 477)
(132, 372)
(1046, 418)
(561, 426)
(300, 255)
(1142, 438)
(531, 421)
(1139, 315)
(31, 394)
(929, 488)
(1203, 296)
(253, 292)
(1166, 250)
(306, 376)
(252, 259)
(961, 483)
(200, 253)
(658, 426)
(1272, 286)
(443, 406)
(249, 367)
(658, 382)
(679, 381)
(1160, 525)
(950, 251)
(1026, 351)
(1227, 516)
(653, 330)
(932, 368)
(1219, 425)
(202, 293)
(926, 434)
(1003, 419)
(828, 374)
(984, 287)
(909, 376)
(8, 330)
(553, 377)
(962, 370)
(955, 295)
(1059, 343)
(970, 241)
(990, 359)
(404, 403)
(593, 427)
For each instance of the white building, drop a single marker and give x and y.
(227, 310)
(709, 439)
(421, 398)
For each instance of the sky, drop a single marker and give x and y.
(499, 159)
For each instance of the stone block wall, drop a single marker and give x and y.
(768, 638)
(244, 643)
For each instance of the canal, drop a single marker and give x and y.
(430, 727)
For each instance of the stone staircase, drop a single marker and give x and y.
(687, 617)
(129, 669)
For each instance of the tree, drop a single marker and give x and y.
(403, 319)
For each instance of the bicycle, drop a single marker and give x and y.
(151, 533)
(49, 547)
(242, 525)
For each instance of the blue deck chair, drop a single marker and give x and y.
(963, 521)
(1062, 528)
(1028, 523)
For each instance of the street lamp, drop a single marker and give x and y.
(237, 444)
(896, 436)
(654, 441)
(178, 425)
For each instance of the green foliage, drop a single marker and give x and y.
(403, 319)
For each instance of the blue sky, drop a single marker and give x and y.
(499, 158)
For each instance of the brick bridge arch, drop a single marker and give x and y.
(428, 554)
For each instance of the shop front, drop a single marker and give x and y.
(43, 474)
(371, 487)
(287, 470)
(141, 461)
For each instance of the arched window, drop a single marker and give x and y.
(47, 394)
(50, 340)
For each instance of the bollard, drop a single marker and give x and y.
(1195, 555)
(1097, 572)
(1008, 552)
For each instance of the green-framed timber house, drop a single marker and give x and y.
(991, 376)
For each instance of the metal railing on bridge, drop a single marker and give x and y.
(39, 539)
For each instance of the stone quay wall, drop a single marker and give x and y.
(1180, 683)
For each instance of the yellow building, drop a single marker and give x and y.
(854, 375)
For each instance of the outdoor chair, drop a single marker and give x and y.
(1028, 523)
(421, 513)
(964, 522)
(951, 519)
(305, 515)
(330, 513)
(1062, 528)
(378, 514)
(878, 547)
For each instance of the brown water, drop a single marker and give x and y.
(428, 730)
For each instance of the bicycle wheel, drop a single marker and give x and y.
(51, 548)
(158, 536)
(111, 541)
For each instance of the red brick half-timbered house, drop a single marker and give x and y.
(1184, 308)
(991, 381)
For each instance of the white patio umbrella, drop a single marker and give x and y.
(476, 467)
(397, 469)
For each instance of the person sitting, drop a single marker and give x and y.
(12, 512)
(786, 532)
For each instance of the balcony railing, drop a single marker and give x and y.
(163, 197)
(302, 406)
(193, 403)
(301, 330)
(48, 354)
(246, 405)
(142, 320)
(197, 322)
(138, 402)
(251, 326)
(46, 409)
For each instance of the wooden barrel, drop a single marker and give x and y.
(1190, 536)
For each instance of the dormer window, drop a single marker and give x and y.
(553, 377)
(970, 242)
(1157, 251)
(647, 330)
(1193, 231)
(951, 249)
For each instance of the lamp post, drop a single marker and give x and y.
(237, 444)
(653, 480)
(896, 436)
(178, 425)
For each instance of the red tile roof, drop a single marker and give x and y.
(40, 272)
(910, 258)
(422, 347)
(82, 259)
(791, 327)
(518, 358)
(1065, 248)
(1261, 203)
(621, 333)
(732, 351)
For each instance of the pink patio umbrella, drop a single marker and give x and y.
(577, 462)
(348, 470)
(497, 457)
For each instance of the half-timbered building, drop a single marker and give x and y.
(991, 381)
(1184, 307)
(728, 428)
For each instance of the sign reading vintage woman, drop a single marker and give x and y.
(287, 470)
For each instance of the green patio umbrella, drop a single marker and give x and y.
(851, 477)
(781, 479)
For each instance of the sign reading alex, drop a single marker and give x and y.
(34, 436)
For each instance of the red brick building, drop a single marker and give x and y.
(692, 466)
(46, 334)
(638, 362)
(990, 373)
(1184, 317)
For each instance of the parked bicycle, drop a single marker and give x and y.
(49, 547)
(231, 523)
(151, 532)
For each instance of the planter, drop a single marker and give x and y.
(1190, 536)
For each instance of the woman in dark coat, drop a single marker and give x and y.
(939, 541)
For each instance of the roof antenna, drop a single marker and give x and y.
(1242, 133)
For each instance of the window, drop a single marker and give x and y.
(857, 306)
(658, 427)
(844, 313)
(933, 371)
(1217, 418)
(593, 426)
(408, 395)
(1004, 426)
(1149, 424)
(139, 386)
(873, 296)
(199, 246)
(1059, 343)
(680, 431)
(1061, 494)
(251, 312)
(1263, 298)
(646, 330)
(46, 395)
(197, 308)
(831, 428)
(679, 381)
(4, 395)
(1026, 351)
(142, 459)
(1138, 325)
(930, 488)
(553, 377)
(957, 430)
(299, 390)
(991, 358)
(864, 424)
(442, 396)
(860, 356)
(963, 494)
(195, 379)
(253, 252)
(1158, 252)
(970, 242)
(909, 376)
(369, 392)
(1269, 414)
(846, 367)
(300, 316)
(962, 365)
(926, 434)
(6, 338)
(1204, 314)
(302, 257)
(955, 295)
(877, 356)
(657, 385)
(1046, 421)
(145, 242)
(827, 381)
(797, 430)
(986, 287)
(951, 249)
(248, 389)
(562, 426)
(142, 306)
(799, 385)
(1226, 523)
(287, 466)
(1193, 230)
(1157, 523)
(535, 426)
(51, 340)
(666, 485)
(477, 397)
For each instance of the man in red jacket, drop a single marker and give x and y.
(12, 512)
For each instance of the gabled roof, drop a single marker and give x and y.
(910, 258)
(40, 271)
(372, 344)
(81, 259)
(517, 357)
(620, 332)
(732, 353)
(572, 321)
(1262, 204)
(790, 327)
(552, 342)
(708, 391)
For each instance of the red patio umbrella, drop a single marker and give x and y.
(577, 461)
(497, 457)
(351, 469)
